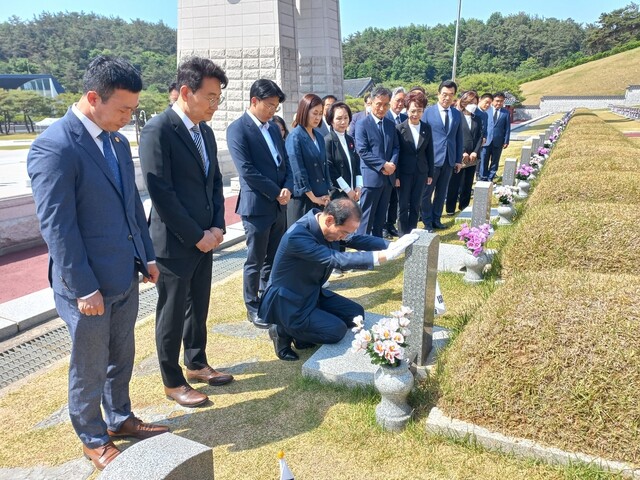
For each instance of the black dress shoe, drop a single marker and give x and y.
(393, 231)
(439, 225)
(282, 345)
(386, 234)
(302, 345)
(257, 321)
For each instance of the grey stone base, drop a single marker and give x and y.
(466, 215)
(337, 363)
(439, 423)
(451, 258)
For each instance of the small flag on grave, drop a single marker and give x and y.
(285, 473)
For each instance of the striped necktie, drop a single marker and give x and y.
(197, 139)
(111, 158)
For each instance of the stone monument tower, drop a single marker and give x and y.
(296, 43)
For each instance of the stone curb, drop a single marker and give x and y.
(438, 423)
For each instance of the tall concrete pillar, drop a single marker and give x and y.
(296, 43)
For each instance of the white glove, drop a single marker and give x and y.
(395, 249)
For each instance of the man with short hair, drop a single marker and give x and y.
(498, 133)
(92, 220)
(446, 132)
(179, 159)
(301, 310)
(397, 116)
(173, 93)
(327, 101)
(266, 183)
(378, 146)
(360, 115)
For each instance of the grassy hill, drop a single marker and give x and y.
(607, 76)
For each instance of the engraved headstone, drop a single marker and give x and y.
(525, 155)
(481, 212)
(535, 144)
(509, 173)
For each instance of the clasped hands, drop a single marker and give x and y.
(388, 168)
(395, 249)
(211, 239)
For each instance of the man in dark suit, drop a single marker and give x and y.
(178, 154)
(397, 116)
(295, 301)
(94, 225)
(377, 145)
(498, 133)
(266, 182)
(360, 115)
(446, 132)
(324, 126)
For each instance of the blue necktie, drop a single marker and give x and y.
(380, 127)
(197, 138)
(112, 161)
(446, 120)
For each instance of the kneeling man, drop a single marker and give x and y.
(301, 310)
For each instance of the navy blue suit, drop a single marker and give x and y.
(447, 150)
(375, 149)
(295, 299)
(415, 165)
(460, 184)
(261, 181)
(354, 121)
(310, 171)
(393, 210)
(498, 133)
(97, 235)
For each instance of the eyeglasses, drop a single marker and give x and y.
(270, 106)
(213, 101)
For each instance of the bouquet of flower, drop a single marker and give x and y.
(543, 151)
(523, 172)
(504, 194)
(535, 162)
(475, 237)
(386, 341)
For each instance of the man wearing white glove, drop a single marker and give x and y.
(294, 301)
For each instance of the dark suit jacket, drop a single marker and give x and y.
(308, 163)
(354, 121)
(484, 120)
(403, 117)
(374, 151)
(338, 161)
(500, 130)
(261, 180)
(93, 232)
(303, 263)
(413, 160)
(472, 137)
(444, 142)
(185, 202)
(323, 128)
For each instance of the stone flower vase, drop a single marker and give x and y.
(523, 188)
(394, 384)
(475, 267)
(506, 213)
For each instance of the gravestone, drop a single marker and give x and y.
(525, 155)
(418, 293)
(164, 457)
(481, 212)
(535, 144)
(541, 141)
(509, 173)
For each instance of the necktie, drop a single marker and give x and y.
(495, 116)
(446, 120)
(111, 159)
(398, 121)
(381, 131)
(197, 138)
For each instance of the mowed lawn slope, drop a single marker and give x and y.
(607, 76)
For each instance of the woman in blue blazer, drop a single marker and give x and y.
(306, 151)
(461, 181)
(415, 162)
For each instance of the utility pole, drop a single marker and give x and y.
(455, 45)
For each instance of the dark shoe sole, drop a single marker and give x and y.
(188, 405)
(208, 382)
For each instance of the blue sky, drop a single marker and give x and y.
(356, 15)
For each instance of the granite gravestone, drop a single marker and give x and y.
(418, 293)
(481, 212)
(509, 173)
(525, 155)
(535, 144)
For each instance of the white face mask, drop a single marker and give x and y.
(471, 108)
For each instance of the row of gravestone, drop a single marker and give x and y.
(632, 113)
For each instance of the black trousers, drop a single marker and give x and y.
(460, 189)
(374, 203)
(328, 323)
(410, 196)
(392, 212)
(184, 290)
(263, 238)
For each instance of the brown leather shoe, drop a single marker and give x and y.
(136, 428)
(208, 375)
(186, 396)
(101, 456)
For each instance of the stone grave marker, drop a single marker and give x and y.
(525, 155)
(541, 141)
(481, 212)
(509, 173)
(418, 293)
(535, 144)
